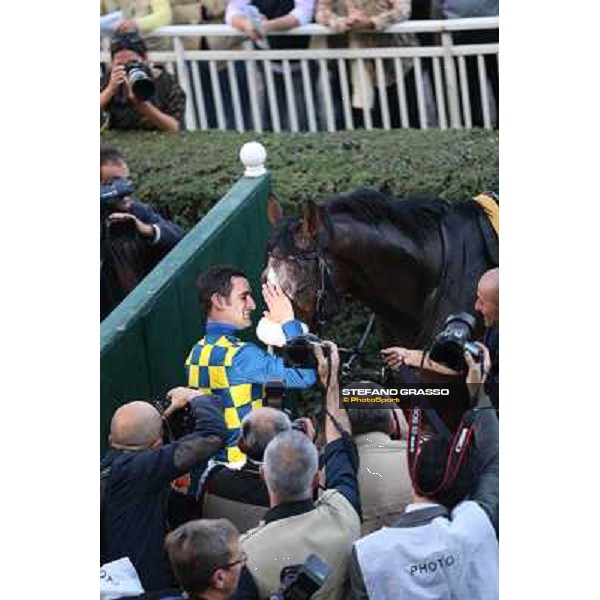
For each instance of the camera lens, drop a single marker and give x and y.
(141, 84)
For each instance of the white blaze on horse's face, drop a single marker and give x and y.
(279, 272)
(272, 277)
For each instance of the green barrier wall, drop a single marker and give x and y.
(145, 340)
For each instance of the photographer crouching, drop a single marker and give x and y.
(136, 96)
(136, 474)
(133, 237)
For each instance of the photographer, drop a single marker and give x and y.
(487, 305)
(207, 559)
(296, 526)
(161, 107)
(129, 255)
(241, 495)
(220, 363)
(446, 541)
(383, 477)
(136, 473)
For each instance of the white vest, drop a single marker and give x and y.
(329, 531)
(454, 559)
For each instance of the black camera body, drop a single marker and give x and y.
(140, 79)
(301, 582)
(182, 422)
(299, 351)
(113, 191)
(450, 344)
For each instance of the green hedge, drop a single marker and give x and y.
(185, 175)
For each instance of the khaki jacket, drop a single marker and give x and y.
(328, 531)
(383, 480)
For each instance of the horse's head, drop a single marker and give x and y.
(298, 261)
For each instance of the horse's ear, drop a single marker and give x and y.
(274, 210)
(312, 222)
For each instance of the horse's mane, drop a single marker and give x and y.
(418, 215)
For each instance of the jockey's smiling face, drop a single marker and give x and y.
(238, 307)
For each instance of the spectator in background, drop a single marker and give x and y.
(163, 111)
(295, 526)
(383, 477)
(261, 18)
(213, 12)
(461, 9)
(138, 470)
(351, 17)
(241, 495)
(141, 16)
(133, 237)
(207, 558)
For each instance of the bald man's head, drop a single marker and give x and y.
(259, 427)
(488, 297)
(136, 425)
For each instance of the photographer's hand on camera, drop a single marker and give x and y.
(118, 76)
(305, 425)
(279, 305)
(209, 432)
(179, 398)
(144, 229)
(477, 370)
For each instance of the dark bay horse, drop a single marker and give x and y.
(413, 261)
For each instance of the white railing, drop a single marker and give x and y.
(242, 89)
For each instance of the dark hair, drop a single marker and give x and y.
(431, 467)
(128, 40)
(366, 420)
(197, 548)
(110, 154)
(216, 280)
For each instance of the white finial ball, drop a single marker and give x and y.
(253, 156)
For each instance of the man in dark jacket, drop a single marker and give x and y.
(163, 110)
(137, 471)
(133, 238)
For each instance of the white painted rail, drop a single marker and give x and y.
(446, 84)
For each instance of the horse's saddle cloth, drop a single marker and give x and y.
(489, 223)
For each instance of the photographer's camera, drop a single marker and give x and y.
(454, 340)
(178, 424)
(299, 351)
(140, 79)
(301, 582)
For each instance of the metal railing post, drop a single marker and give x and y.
(451, 80)
(184, 82)
(442, 93)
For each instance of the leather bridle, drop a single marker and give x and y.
(326, 288)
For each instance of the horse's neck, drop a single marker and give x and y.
(396, 281)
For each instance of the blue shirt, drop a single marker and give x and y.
(255, 365)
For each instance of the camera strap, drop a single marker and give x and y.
(438, 424)
(456, 455)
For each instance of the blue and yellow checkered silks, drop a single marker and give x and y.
(208, 368)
